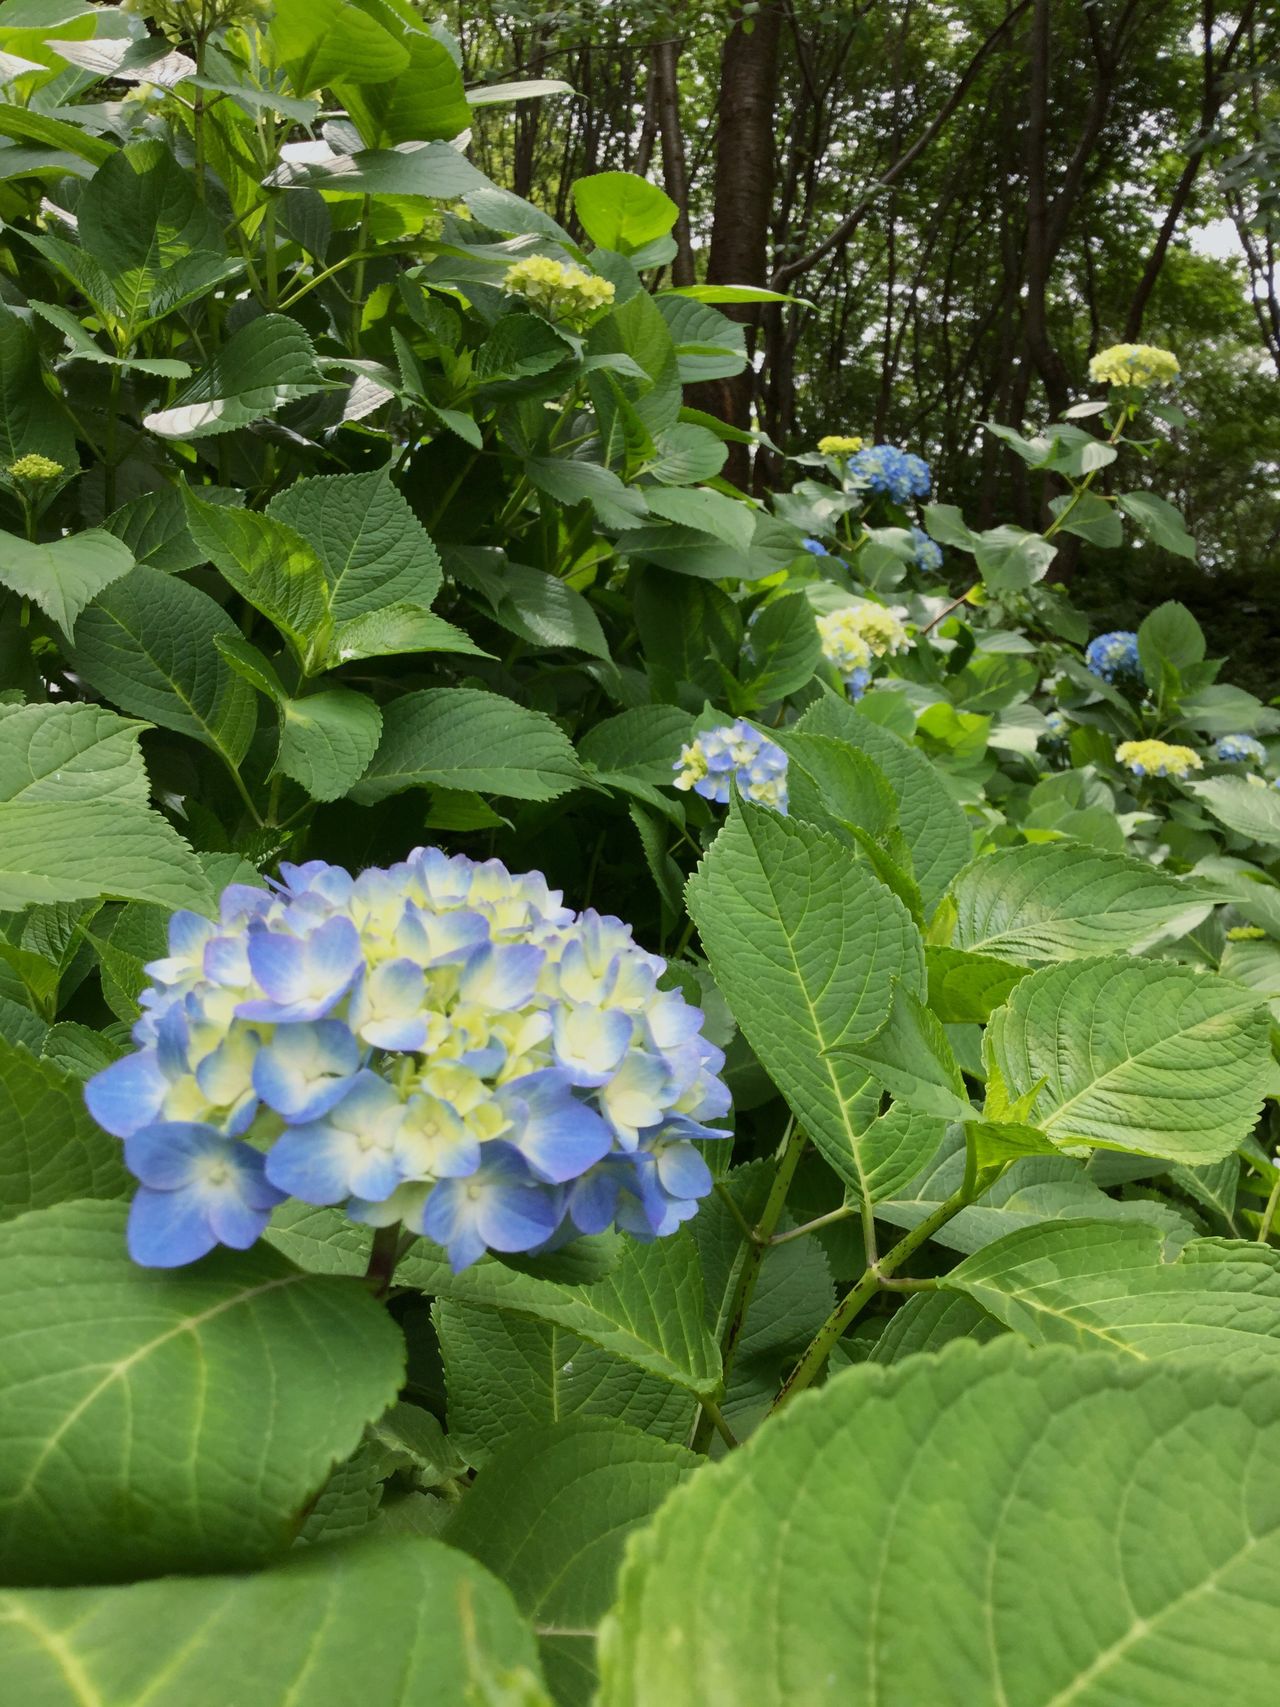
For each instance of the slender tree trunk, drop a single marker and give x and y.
(743, 197)
(675, 176)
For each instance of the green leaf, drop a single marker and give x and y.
(55, 851)
(1061, 900)
(148, 645)
(154, 527)
(50, 1150)
(430, 169)
(570, 481)
(1010, 560)
(1030, 1192)
(805, 945)
(1104, 1285)
(62, 575)
(784, 649)
(619, 211)
(327, 740)
(68, 751)
(31, 420)
(468, 739)
(272, 567)
(1015, 1457)
(1144, 1056)
(644, 741)
(25, 125)
(540, 608)
(394, 1619)
(397, 629)
(117, 1377)
(424, 102)
(374, 551)
(708, 344)
(265, 364)
(526, 1519)
(1169, 635)
(933, 825)
(1242, 806)
(318, 41)
(1090, 517)
(505, 1373)
(910, 1056)
(1159, 521)
(964, 988)
(647, 1308)
(929, 1321)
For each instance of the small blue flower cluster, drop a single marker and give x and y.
(441, 1044)
(1114, 657)
(1240, 749)
(896, 473)
(1057, 733)
(927, 553)
(815, 547)
(739, 753)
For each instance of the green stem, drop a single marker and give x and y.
(357, 283)
(384, 1254)
(828, 1220)
(1269, 1213)
(814, 1360)
(752, 1259)
(711, 1409)
(244, 794)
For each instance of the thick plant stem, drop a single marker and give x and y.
(757, 1243)
(811, 1364)
(384, 1254)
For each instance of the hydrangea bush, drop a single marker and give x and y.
(388, 1228)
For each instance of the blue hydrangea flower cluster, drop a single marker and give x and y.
(442, 1044)
(1114, 657)
(1240, 749)
(815, 547)
(739, 753)
(926, 552)
(1057, 734)
(896, 473)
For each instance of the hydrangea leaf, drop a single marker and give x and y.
(1102, 1285)
(327, 740)
(643, 741)
(147, 644)
(50, 851)
(469, 739)
(1060, 900)
(393, 1619)
(70, 752)
(805, 944)
(997, 1447)
(528, 1521)
(1242, 806)
(934, 826)
(162, 1421)
(396, 629)
(32, 421)
(374, 551)
(62, 575)
(266, 363)
(929, 1320)
(505, 1373)
(964, 988)
(270, 566)
(647, 1308)
(50, 1150)
(1150, 1057)
(620, 211)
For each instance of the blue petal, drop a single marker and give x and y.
(127, 1095)
(682, 1171)
(306, 1069)
(312, 1163)
(593, 1199)
(559, 1136)
(517, 1217)
(165, 1155)
(168, 1228)
(502, 975)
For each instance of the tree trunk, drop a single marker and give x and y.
(743, 199)
(675, 176)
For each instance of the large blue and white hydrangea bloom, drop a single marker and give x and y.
(442, 1044)
(898, 474)
(1113, 657)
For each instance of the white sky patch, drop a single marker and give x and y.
(1218, 240)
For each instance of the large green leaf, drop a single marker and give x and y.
(400, 1620)
(1158, 519)
(147, 644)
(619, 211)
(32, 422)
(424, 102)
(1061, 900)
(505, 1373)
(317, 41)
(327, 740)
(1137, 1055)
(50, 1150)
(160, 1420)
(1102, 1285)
(1242, 806)
(550, 1514)
(51, 851)
(272, 567)
(934, 826)
(265, 364)
(466, 738)
(374, 551)
(647, 1308)
(69, 751)
(805, 944)
(62, 575)
(886, 1540)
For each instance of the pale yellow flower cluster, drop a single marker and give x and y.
(1134, 364)
(34, 467)
(856, 629)
(562, 291)
(1158, 758)
(840, 444)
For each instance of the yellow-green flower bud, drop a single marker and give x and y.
(563, 292)
(1134, 364)
(840, 444)
(33, 468)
